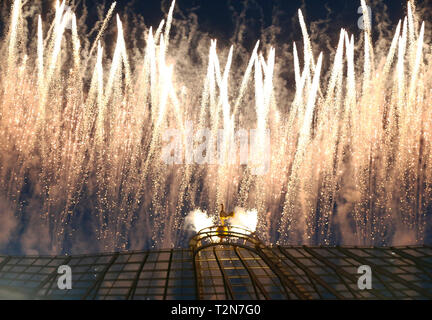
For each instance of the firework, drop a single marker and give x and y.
(348, 158)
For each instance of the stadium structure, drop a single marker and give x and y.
(224, 263)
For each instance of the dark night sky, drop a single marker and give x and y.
(218, 18)
(216, 14)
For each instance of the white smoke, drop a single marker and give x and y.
(243, 218)
(198, 220)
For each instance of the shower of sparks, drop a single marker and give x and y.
(350, 157)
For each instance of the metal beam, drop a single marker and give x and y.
(303, 269)
(255, 282)
(423, 265)
(98, 281)
(388, 274)
(285, 281)
(4, 262)
(50, 277)
(340, 273)
(168, 274)
(228, 289)
(132, 289)
(311, 275)
(196, 268)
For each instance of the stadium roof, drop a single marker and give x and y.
(224, 270)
